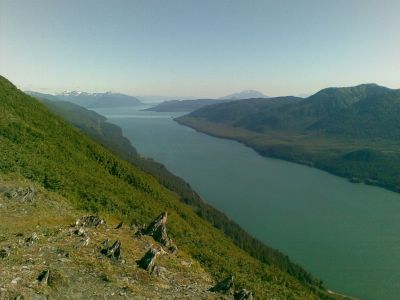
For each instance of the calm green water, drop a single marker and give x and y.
(346, 234)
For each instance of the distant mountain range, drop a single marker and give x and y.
(244, 95)
(91, 100)
(110, 99)
(353, 131)
(194, 104)
(159, 99)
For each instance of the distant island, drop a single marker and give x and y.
(353, 132)
(91, 100)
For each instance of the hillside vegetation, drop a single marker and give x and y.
(43, 149)
(44, 254)
(352, 132)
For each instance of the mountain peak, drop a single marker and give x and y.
(246, 94)
(69, 93)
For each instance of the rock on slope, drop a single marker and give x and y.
(49, 254)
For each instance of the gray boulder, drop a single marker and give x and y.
(31, 239)
(158, 230)
(224, 285)
(90, 221)
(80, 232)
(114, 251)
(119, 225)
(147, 262)
(19, 193)
(44, 277)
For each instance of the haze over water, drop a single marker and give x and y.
(346, 234)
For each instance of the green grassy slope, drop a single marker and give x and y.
(331, 130)
(77, 267)
(43, 148)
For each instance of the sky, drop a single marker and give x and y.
(202, 48)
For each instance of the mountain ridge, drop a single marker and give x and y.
(194, 104)
(321, 130)
(93, 100)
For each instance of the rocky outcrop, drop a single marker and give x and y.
(86, 242)
(147, 262)
(90, 221)
(113, 251)
(19, 193)
(84, 259)
(243, 294)
(79, 232)
(158, 230)
(64, 259)
(159, 271)
(173, 249)
(44, 277)
(137, 228)
(223, 286)
(31, 239)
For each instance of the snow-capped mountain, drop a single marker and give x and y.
(70, 94)
(244, 95)
(93, 100)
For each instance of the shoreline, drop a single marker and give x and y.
(311, 164)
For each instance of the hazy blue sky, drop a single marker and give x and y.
(202, 48)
